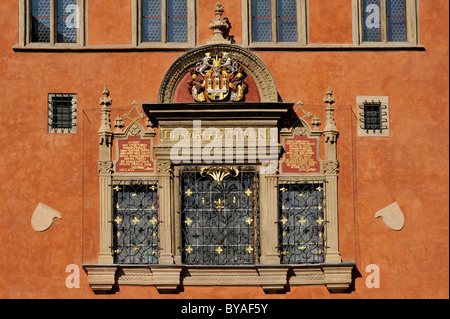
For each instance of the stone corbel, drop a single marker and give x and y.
(102, 279)
(338, 278)
(167, 279)
(273, 279)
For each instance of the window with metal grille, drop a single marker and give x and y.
(301, 223)
(53, 21)
(62, 113)
(373, 116)
(164, 21)
(219, 215)
(135, 221)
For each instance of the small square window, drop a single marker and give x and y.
(62, 113)
(373, 117)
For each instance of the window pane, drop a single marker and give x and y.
(287, 20)
(40, 20)
(397, 20)
(177, 20)
(135, 222)
(151, 20)
(301, 224)
(372, 116)
(262, 20)
(67, 21)
(371, 20)
(219, 221)
(62, 112)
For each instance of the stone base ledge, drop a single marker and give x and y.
(337, 277)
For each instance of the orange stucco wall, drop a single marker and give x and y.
(60, 170)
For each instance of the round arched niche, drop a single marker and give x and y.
(173, 85)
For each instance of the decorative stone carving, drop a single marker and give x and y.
(331, 167)
(43, 217)
(219, 25)
(252, 65)
(165, 167)
(105, 167)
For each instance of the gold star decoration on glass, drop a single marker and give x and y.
(153, 253)
(248, 192)
(283, 189)
(117, 188)
(188, 221)
(219, 250)
(319, 189)
(249, 220)
(283, 220)
(249, 249)
(136, 249)
(188, 193)
(134, 195)
(153, 187)
(189, 249)
(320, 221)
(302, 221)
(301, 195)
(135, 220)
(302, 248)
(118, 220)
(153, 220)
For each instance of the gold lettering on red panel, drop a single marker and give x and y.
(301, 155)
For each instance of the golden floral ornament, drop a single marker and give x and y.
(189, 249)
(219, 250)
(218, 173)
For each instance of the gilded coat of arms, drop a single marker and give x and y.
(218, 78)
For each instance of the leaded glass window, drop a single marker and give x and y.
(219, 216)
(287, 21)
(275, 20)
(62, 113)
(384, 20)
(262, 20)
(396, 15)
(164, 21)
(177, 20)
(135, 222)
(151, 20)
(66, 21)
(301, 223)
(40, 19)
(53, 21)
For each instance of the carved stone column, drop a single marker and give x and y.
(166, 234)
(331, 188)
(105, 167)
(268, 220)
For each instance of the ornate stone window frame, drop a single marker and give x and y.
(384, 103)
(302, 27)
(412, 22)
(137, 27)
(25, 27)
(170, 273)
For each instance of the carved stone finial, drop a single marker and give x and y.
(329, 98)
(219, 25)
(105, 99)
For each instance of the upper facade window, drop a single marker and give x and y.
(168, 23)
(51, 22)
(386, 21)
(274, 22)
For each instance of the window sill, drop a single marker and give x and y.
(336, 47)
(102, 48)
(337, 277)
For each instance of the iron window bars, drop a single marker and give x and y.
(135, 221)
(219, 215)
(373, 117)
(62, 113)
(301, 223)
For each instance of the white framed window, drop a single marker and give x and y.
(385, 22)
(164, 23)
(44, 23)
(62, 113)
(274, 23)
